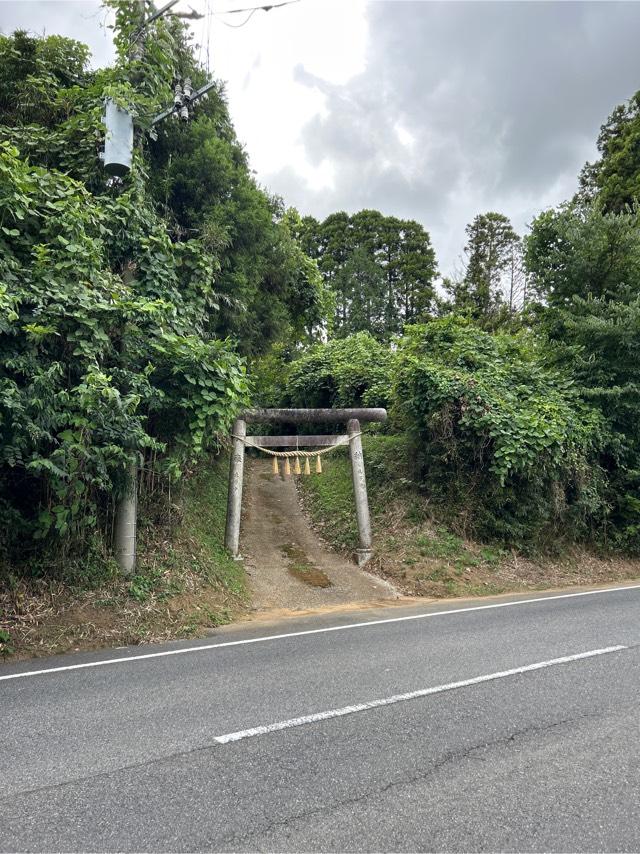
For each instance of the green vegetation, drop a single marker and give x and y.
(380, 270)
(585, 267)
(125, 304)
(185, 582)
(614, 179)
(198, 521)
(329, 497)
(493, 249)
(410, 550)
(353, 371)
(138, 315)
(420, 554)
(204, 503)
(503, 441)
(499, 439)
(519, 395)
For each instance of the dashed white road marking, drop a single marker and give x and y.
(411, 695)
(363, 625)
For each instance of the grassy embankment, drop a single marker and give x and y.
(419, 554)
(185, 582)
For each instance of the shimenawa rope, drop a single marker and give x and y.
(341, 441)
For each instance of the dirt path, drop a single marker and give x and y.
(288, 566)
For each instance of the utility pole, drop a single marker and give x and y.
(118, 158)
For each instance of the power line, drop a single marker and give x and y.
(251, 10)
(266, 7)
(237, 26)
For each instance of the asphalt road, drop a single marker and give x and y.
(276, 738)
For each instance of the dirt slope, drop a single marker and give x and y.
(287, 565)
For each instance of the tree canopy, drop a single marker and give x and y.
(492, 254)
(119, 296)
(381, 270)
(615, 177)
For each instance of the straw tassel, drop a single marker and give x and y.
(318, 465)
(287, 467)
(275, 468)
(296, 467)
(307, 467)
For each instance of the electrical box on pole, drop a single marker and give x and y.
(118, 142)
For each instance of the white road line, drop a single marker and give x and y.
(411, 695)
(203, 647)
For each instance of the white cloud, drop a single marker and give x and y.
(430, 110)
(84, 20)
(405, 136)
(262, 62)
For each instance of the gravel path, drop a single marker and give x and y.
(276, 538)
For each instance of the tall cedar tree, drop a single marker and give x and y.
(381, 270)
(615, 177)
(492, 248)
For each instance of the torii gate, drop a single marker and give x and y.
(352, 417)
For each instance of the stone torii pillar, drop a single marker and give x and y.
(234, 500)
(365, 552)
(353, 417)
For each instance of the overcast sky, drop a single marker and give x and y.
(431, 110)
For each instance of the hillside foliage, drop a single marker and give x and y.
(139, 315)
(119, 297)
(500, 437)
(614, 178)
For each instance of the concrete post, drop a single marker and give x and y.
(234, 501)
(365, 552)
(126, 521)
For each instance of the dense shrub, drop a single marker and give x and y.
(94, 364)
(353, 371)
(504, 443)
(585, 265)
(117, 296)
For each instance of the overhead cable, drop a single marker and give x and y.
(251, 10)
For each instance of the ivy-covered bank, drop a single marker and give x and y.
(95, 363)
(127, 306)
(425, 552)
(495, 430)
(502, 444)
